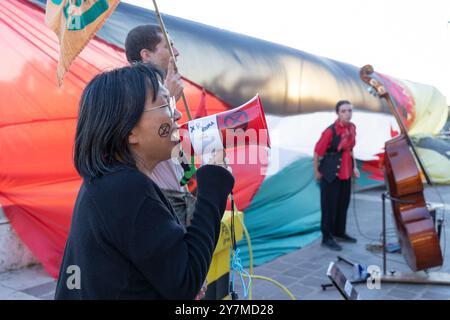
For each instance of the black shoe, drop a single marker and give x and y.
(331, 244)
(345, 238)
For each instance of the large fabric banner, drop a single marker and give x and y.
(279, 197)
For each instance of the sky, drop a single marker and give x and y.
(406, 39)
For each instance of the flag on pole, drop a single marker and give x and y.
(75, 22)
(201, 109)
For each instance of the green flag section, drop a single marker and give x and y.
(284, 215)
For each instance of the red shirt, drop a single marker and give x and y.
(346, 169)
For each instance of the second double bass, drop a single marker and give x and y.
(415, 228)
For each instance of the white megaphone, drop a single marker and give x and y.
(244, 125)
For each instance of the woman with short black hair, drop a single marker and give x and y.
(125, 241)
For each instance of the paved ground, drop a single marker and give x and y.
(304, 270)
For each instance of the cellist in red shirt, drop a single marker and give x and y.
(334, 165)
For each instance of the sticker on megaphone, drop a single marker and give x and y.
(205, 136)
(244, 125)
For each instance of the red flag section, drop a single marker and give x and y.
(201, 109)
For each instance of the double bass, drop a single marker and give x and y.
(415, 227)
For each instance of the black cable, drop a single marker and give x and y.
(233, 234)
(233, 293)
(443, 222)
(391, 230)
(356, 217)
(443, 252)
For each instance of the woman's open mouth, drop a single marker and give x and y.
(175, 136)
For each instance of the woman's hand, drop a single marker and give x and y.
(356, 172)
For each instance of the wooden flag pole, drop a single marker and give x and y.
(169, 45)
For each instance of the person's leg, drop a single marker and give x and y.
(340, 233)
(328, 203)
(343, 202)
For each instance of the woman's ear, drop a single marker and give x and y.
(133, 137)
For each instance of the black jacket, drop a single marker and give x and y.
(128, 243)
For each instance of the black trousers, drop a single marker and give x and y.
(334, 202)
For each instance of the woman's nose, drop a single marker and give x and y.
(177, 115)
(175, 52)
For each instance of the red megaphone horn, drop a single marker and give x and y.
(244, 125)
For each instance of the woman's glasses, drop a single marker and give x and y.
(171, 104)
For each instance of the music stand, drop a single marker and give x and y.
(339, 280)
(357, 280)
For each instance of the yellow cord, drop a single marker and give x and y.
(274, 282)
(250, 253)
